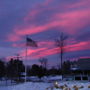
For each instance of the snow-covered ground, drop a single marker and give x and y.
(43, 85)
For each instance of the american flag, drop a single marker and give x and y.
(30, 42)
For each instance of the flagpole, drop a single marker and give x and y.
(26, 65)
(29, 42)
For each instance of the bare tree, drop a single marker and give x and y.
(61, 42)
(43, 62)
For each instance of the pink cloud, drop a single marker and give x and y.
(18, 45)
(75, 47)
(82, 3)
(47, 2)
(31, 15)
(32, 52)
(37, 9)
(78, 46)
(83, 57)
(70, 21)
(46, 43)
(74, 20)
(46, 51)
(13, 37)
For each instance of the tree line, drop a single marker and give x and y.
(14, 69)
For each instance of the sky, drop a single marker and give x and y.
(44, 21)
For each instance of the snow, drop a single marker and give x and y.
(55, 78)
(26, 86)
(51, 78)
(43, 85)
(5, 83)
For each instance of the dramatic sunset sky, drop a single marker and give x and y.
(43, 20)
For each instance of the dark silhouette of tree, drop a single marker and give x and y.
(28, 70)
(53, 71)
(42, 71)
(2, 69)
(37, 70)
(10, 70)
(14, 69)
(66, 67)
(44, 62)
(60, 43)
(19, 67)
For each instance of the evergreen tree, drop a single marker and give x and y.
(14, 69)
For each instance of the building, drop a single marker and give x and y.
(81, 69)
(83, 64)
